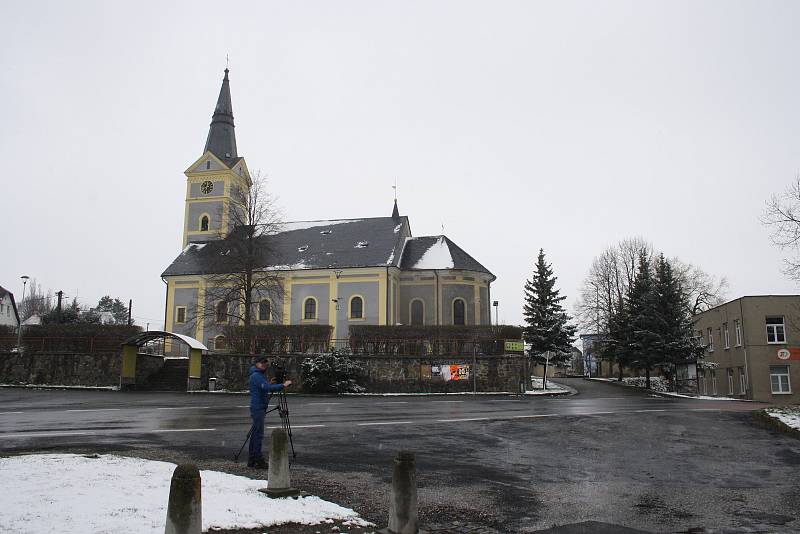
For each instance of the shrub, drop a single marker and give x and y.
(421, 340)
(331, 373)
(280, 338)
(657, 383)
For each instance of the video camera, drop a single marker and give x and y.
(277, 370)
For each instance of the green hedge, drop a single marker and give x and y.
(279, 338)
(431, 340)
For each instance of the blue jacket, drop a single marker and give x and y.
(260, 389)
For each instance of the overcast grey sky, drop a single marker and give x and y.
(516, 125)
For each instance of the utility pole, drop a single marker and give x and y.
(130, 306)
(58, 306)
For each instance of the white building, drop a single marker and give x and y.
(8, 309)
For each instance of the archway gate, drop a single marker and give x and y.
(130, 350)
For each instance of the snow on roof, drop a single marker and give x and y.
(304, 225)
(436, 257)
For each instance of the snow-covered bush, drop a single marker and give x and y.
(331, 373)
(657, 383)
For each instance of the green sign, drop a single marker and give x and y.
(515, 346)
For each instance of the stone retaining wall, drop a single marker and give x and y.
(71, 369)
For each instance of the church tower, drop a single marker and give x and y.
(215, 181)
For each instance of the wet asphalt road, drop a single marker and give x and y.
(519, 464)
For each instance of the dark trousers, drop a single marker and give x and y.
(257, 437)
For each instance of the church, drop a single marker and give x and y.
(338, 272)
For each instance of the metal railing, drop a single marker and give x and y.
(63, 344)
(383, 347)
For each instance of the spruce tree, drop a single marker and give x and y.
(548, 327)
(640, 301)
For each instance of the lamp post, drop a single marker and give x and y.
(19, 318)
(496, 304)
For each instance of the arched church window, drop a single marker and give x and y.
(417, 312)
(310, 308)
(264, 310)
(204, 223)
(459, 312)
(356, 308)
(222, 312)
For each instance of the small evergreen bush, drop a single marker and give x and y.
(333, 372)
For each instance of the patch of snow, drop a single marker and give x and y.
(194, 246)
(702, 397)
(58, 386)
(69, 493)
(397, 228)
(788, 415)
(362, 244)
(305, 225)
(302, 249)
(295, 267)
(436, 257)
(538, 384)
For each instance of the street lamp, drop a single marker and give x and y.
(496, 304)
(19, 318)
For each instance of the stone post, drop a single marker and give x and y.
(279, 484)
(184, 511)
(195, 370)
(403, 505)
(127, 378)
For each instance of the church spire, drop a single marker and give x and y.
(221, 136)
(395, 211)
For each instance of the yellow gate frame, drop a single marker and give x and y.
(130, 348)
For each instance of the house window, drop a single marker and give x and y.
(222, 312)
(776, 331)
(737, 326)
(713, 382)
(742, 381)
(701, 381)
(208, 164)
(726, 335)
(204, 223)
(417, 312)
(180, 314)
(356, 308)
(264, 310)
(730, 381)
(310, 309)
(779, 379)
(459, 312)
(220, 343)
(710, 340)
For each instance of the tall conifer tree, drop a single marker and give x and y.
(641, 303)
(548, 325)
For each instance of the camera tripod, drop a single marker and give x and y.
(283, 411)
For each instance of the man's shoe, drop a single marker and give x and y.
(258, 464)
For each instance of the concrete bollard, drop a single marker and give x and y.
(184, 511)
(403, 505)
(279, 484)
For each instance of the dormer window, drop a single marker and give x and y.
(208, 164)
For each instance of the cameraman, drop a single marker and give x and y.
(260, 391)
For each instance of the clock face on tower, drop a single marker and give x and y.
(206, 187)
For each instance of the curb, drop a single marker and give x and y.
(774, 423)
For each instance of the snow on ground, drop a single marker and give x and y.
(68, 493)
(305, 225)
(538, 387)
(788, 415)
(56, 386)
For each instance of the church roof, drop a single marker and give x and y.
(221, 139)
(328, 244)
(437, 252)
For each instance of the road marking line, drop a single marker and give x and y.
(7, 413)
(185, 408)
(506, 400)
(449, 401)
(387, 423)
(323, 403)
(460, 420)
(95, 410)
(44, 434)
(393, 402)
(535, 415)
(593, 413)
(297, 426)
(642, 411)
(182, 430)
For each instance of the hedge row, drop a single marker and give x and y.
(79, 337)
(475, 333)
(280, 338)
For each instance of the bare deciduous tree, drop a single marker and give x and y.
(703, 290)
(241, 270)
(35, 302)
(782, 215)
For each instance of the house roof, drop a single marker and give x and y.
(438, 252)
(326, 244)
(3, 293)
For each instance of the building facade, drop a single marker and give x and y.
(8, 309)
(753, 349)
(330, 272)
